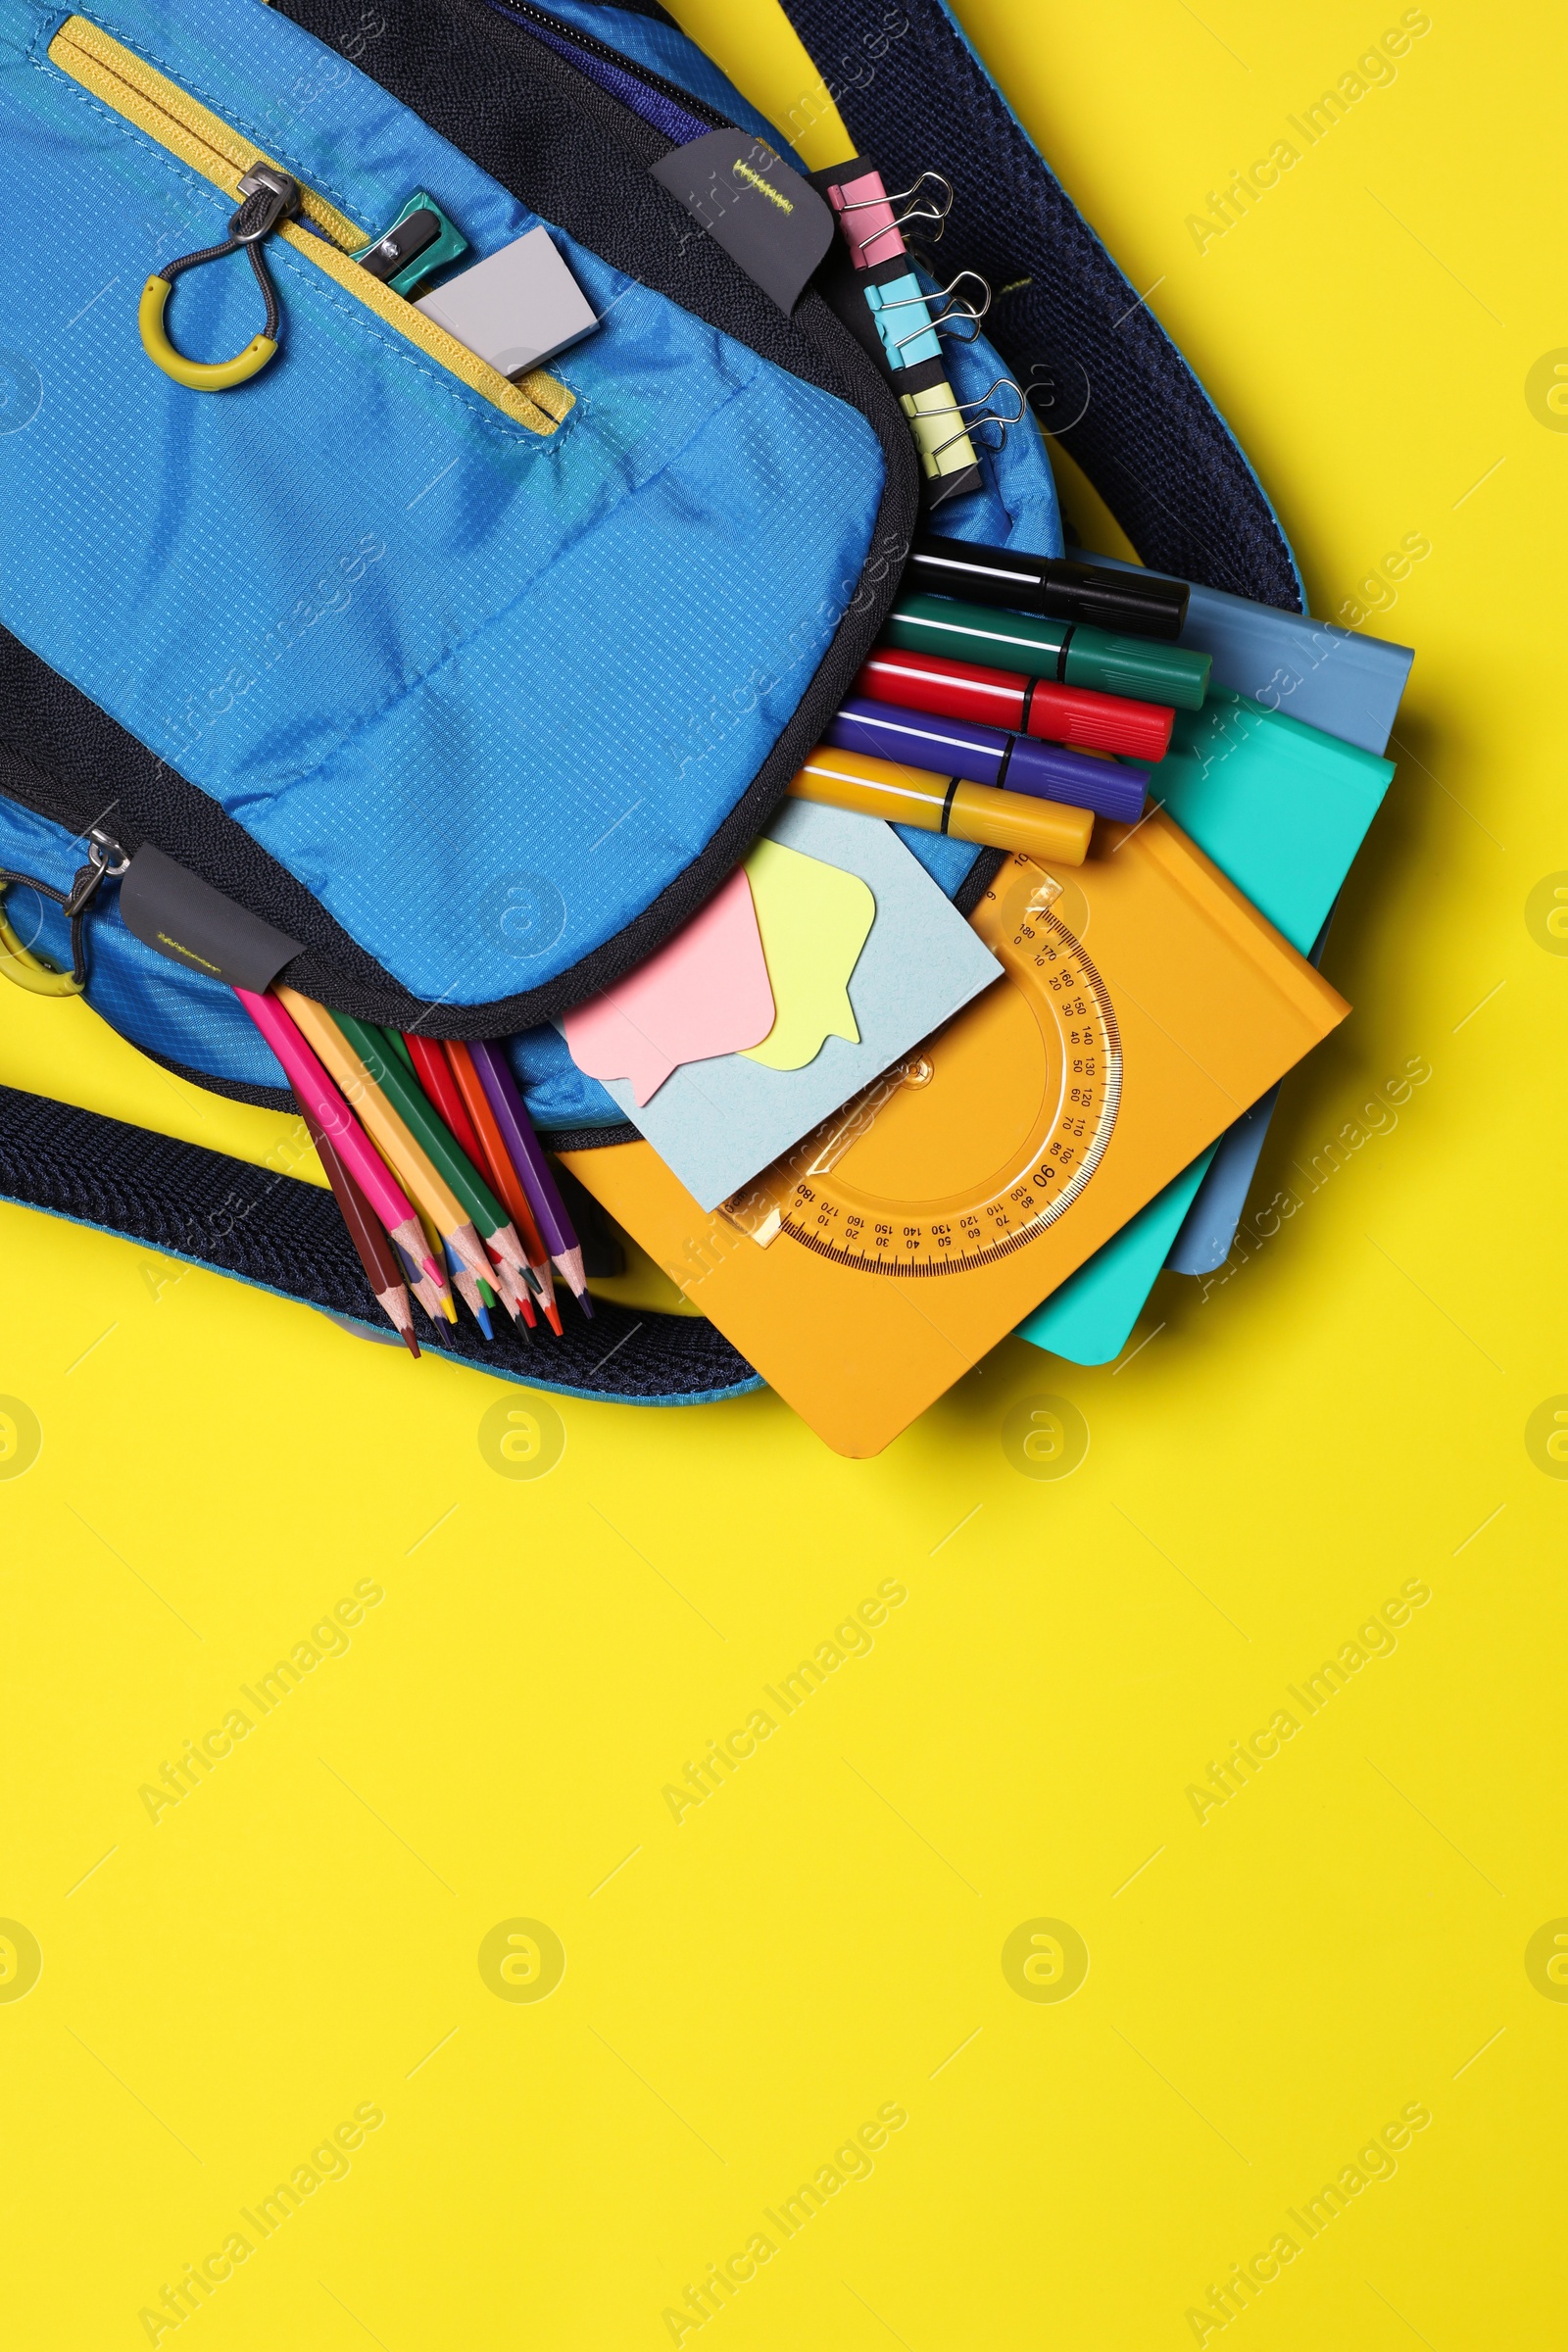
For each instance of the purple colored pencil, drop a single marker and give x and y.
(527, 1156)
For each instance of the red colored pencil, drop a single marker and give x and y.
(502, 1175)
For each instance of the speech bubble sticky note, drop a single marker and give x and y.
(814, 920)
(706, 991)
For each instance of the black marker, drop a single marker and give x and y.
(1141, 604)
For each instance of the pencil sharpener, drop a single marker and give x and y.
(420, 240)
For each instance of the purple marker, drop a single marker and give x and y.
(959, 747)
(526, 1153)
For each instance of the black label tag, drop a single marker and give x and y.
(185, 920)
(764, 214)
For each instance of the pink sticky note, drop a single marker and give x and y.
(706, 991)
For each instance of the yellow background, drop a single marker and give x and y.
(1347, 1412)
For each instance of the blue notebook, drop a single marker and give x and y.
(1282, 809)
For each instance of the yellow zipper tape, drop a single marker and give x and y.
(178, 123)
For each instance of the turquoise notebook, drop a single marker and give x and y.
(1282, 810)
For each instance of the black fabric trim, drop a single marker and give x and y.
(588, 1139)
(280, 1098)
(237, 1090)
(978, 880)
(578, 157)
(1100, 368)
(288, 1237)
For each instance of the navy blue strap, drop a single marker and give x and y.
(287, 1236)
(1096, 367)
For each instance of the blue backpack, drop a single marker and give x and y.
(474, 696)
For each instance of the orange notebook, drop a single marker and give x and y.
(1144, 1005)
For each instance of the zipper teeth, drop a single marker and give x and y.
(696, 107)
(168, 115)
(194, 126)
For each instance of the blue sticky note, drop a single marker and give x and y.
(718, 1123)
(1282, 810)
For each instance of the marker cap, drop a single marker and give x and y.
(1049, 772)
(1139, 667)
(986, 755)
(1099, 722)
(1135, 666)
(1059, 588)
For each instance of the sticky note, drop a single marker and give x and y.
(814, 919)
(705, 992)
(717, 1123)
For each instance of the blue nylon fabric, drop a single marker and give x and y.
(169, 1011)
(436, 664)
(158, 1004)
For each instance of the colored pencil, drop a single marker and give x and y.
(391, 1133)
(438, 1246)
(502, 1175)
(408, 1097)
(435, 1073)
(423, 1289)
(527, 1156)
(522, 1296)
(382, 1270)
(469, 1291)
(315, 1089)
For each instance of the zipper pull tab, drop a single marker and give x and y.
(106, 862)
(270, 198)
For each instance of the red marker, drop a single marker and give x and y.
(1071, 714)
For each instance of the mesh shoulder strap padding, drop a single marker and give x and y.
(287, 1236)
(1096, 367)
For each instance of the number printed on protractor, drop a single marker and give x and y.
(993, 1132)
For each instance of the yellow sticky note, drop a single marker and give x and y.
(814, 920)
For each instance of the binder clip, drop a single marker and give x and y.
(896, 221)
(964, 312)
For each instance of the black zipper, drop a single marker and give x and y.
(699, 111)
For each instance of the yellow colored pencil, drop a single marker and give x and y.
(388, 1131)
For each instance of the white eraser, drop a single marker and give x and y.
(517, 307)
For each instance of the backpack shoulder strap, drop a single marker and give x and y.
(1096, 367)
(287, 1236)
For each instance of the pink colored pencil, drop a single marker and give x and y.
(353, 1147)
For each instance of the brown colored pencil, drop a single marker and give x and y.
(381, 1269)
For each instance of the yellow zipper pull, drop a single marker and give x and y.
(271, 197)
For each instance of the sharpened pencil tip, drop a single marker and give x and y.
(410, 1342)
(586, 1304)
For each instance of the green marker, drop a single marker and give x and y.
(1069, 652)
(430, 1131)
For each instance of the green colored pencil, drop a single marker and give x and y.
(452, 1164)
